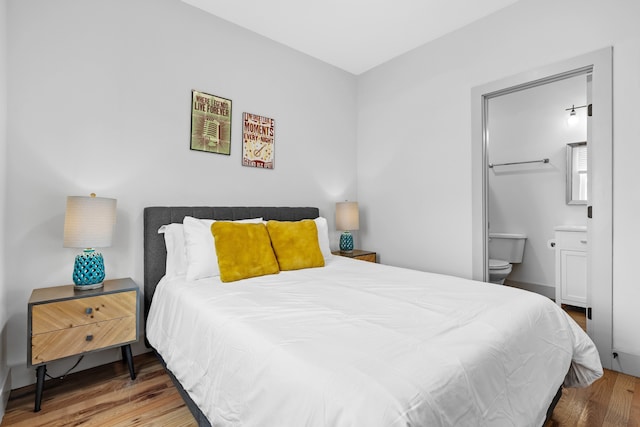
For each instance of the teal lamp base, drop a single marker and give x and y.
(88, 270)
(346, 242)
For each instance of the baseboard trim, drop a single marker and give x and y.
(547, 291)
(626, 363)
(5, 391)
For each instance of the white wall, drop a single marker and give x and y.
(531, 198)
(99, 101)
(4, 371)
(414, 121)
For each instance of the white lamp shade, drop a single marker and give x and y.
(89, 222)
(347, 217)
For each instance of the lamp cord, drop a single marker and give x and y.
(66, 373)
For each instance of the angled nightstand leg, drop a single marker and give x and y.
(126, 355)
(40, 372)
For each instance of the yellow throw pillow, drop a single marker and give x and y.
(295, 244)
(244, 250)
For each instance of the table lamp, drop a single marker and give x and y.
(347, 220)
(88, 224)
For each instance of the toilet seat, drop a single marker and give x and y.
(498, 264)
(499, 270)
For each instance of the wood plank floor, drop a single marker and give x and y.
(577, 314)
(103, 396)
(106, 396)
(613, 400)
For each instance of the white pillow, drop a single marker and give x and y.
(202, 260)
(323, 237)
(176, 254)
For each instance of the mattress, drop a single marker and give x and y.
(362, 344)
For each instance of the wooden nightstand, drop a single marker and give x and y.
(64, 322)
(358, 254)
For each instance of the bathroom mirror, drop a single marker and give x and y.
(577, 173)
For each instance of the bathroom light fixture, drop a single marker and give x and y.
(347, 219)
(573, 118)
(88, 224)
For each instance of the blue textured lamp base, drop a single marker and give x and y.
(346, 242)
(88, 270)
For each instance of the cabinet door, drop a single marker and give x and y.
(574, 277)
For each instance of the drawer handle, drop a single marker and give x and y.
(89, 338)
(583, 241)
(88, 310)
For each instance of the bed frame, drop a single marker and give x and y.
(155, 256)
(155, 253)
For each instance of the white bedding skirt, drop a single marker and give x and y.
(362, 344)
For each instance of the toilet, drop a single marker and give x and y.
(505, 249)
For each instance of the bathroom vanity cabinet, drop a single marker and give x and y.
(571, 265)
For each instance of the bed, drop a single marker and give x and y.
(354, 343)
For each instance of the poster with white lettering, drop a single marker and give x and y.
(210, 123)
(258, 141)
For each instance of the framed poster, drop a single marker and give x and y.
(258, 141)
(210, 123)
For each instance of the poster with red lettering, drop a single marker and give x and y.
(210, 123)
(258, 141)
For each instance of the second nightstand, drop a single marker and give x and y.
(358, 254)
(65, 322)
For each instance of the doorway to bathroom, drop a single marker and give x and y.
(529, 136)
(519, 171)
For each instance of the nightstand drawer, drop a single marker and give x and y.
(367, 257)
(82, 311)
(67, 342)
(359, 255)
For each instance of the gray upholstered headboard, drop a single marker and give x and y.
(155, 253)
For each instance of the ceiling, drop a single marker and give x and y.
(354, 35)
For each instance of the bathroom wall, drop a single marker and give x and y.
(531, 198)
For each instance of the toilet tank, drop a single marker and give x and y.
(507, 246)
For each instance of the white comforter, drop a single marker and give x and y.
(363, 344)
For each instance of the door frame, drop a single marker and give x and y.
(600, 159)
